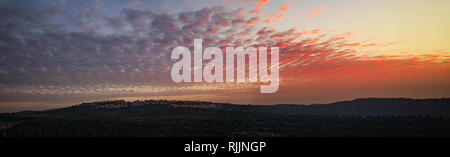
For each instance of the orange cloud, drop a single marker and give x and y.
(316, 31)
(277, 18)
(316, 11)
(268, 20)
(285, 7)
(258, 6)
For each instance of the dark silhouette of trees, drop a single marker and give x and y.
(197, 118)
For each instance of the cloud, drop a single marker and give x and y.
(284, 7)
(299, 14)
(316, 11)
(253, 20)
(53, 51)
(87, 48)
(274, 18)
(258, 6)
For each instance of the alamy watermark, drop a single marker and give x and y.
(213, 70)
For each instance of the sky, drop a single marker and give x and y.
(58, 53)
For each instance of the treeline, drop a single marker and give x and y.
(155, 118)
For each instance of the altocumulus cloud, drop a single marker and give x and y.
(56, 51)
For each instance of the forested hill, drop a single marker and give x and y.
(360, 117)
(362, 106)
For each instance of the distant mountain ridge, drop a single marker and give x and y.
(360, 106)
(382, 106)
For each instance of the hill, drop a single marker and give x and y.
(360, 117)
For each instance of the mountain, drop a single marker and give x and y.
(359, 117)
(361, 106)
(381, 106)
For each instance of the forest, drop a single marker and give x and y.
(162, 118)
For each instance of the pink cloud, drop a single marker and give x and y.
(285, 7)
(279, 17)
(260, 4)
(316, 11)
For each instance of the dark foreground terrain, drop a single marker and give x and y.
(360, 117)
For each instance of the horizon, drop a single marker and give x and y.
(131, 101)
(59, 53)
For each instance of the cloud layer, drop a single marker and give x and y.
(55, 51)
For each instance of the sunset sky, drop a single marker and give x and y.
(57, 53)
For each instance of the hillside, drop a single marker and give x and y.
(360, 117)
